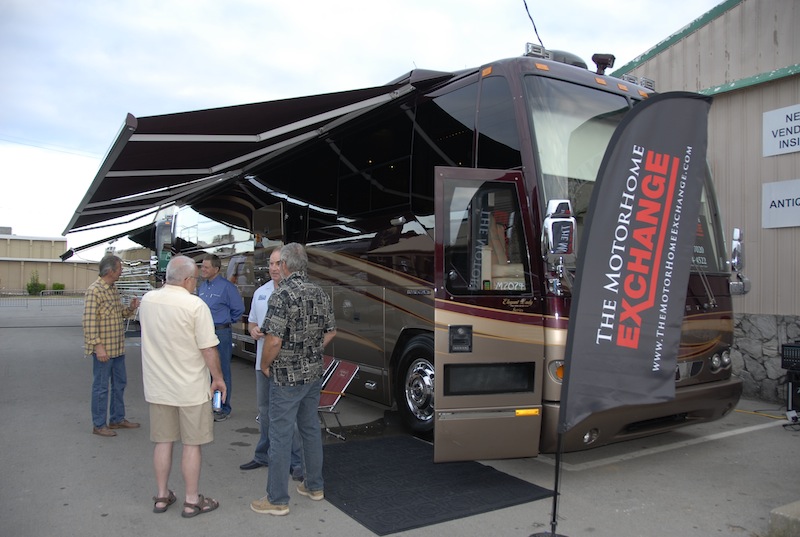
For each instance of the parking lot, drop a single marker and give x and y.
(721, 478)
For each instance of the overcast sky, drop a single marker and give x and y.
(71, 70)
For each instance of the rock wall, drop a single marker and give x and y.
(756, 353)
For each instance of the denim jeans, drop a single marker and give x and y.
(262, 448)
(112, 371)
(289, 405)
(225, 349)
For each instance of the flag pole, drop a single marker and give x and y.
(556, 493)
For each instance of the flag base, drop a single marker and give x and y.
(546, 534)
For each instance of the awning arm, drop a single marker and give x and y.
(72, 251)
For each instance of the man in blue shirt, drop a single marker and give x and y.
(227, 307)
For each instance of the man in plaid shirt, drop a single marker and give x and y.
(104, 340)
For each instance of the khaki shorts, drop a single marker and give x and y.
(192, 425)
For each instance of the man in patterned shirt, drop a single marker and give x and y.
(298, 326)
(104, 340)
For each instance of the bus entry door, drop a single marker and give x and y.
(488, 335)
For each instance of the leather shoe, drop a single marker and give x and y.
(252, 465)
(103, 431)
(124, 424)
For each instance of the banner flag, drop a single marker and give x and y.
(630, 288)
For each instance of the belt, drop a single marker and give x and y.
(222, 326)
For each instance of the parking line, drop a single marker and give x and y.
(654, 450)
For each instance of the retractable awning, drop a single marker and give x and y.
(187, 158)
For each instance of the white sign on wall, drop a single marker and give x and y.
(780, 204)
(781, 131)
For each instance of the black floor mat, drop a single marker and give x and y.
(391, 484)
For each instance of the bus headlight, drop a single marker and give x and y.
(726, 358)
(716, 362)
(556, 370)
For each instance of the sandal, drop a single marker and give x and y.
(169, 500)
(204, 505)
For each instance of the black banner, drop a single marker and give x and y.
(631, 280)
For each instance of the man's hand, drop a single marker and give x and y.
(255, 333)
(272, 346)
(219, 384)
(100, 353)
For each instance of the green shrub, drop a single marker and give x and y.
(34, 286)
(58, 286)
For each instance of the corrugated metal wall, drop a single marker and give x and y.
(748, 38)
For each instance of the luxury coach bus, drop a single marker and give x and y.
(437, 224)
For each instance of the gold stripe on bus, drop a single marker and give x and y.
(718, 324)
(368, 267)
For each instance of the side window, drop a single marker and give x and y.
(498, 138)
(484, 250)
(443, 136)
(374, 164)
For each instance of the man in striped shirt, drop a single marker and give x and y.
(104, 340)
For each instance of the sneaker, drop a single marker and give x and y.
(220, 416)
(297, 475)
(315, 495)
(265, 508)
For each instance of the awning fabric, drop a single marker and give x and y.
(191, 157)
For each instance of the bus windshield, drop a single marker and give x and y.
(572, 126)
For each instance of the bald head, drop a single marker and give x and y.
(180, 268)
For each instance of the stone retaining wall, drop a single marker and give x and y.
(756, 353)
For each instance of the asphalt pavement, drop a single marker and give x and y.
(720, 479)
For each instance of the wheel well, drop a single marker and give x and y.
(397, 353)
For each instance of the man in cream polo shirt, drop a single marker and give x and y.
(179, 352)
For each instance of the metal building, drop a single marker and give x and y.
(746, 54)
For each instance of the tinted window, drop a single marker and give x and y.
(443, 136)
(374, 164)
(498, 138)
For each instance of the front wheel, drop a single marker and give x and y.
(415, 384)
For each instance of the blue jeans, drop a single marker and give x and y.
(225, 349)
(262, 448)
(112, 371)
(289, 405)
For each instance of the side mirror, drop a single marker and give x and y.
(737, 250)
(558, 232)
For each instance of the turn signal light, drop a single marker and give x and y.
(556, 369)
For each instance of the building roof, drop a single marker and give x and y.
(681, 34)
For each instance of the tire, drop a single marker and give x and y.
(414, 390)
